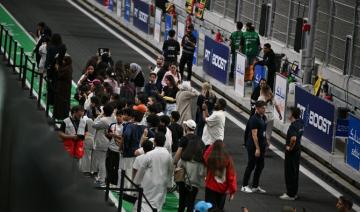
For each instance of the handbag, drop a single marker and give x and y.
(180, 175)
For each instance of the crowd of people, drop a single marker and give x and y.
(150, 127)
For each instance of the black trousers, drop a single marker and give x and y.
(186, 197)
(112, 166)
(215, 198)
(188, 60)
(292, 164)
(256, 163)
(233, 61)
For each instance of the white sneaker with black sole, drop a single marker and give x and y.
(246, 189)
(258, 190)
(287, 197)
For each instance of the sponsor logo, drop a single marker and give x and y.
(215, 59)
(314, 119)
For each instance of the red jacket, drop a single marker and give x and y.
(230, 184)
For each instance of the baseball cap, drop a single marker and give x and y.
(141, 108)
(203, 206)
(190, 124)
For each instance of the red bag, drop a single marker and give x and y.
(74, 148)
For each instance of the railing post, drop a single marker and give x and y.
(1, 35)
(15, 56)
(21, 62)
(9, 51)
(32, 80)
(24, 72)
(121, 193)
(139, 199)
(5, 44)
(40, 90)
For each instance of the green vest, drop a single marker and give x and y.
(235, 38)
(251, 42)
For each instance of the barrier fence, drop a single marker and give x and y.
(23, 65)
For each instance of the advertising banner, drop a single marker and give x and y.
(196, 35)
(127, 10)
(260, 72)
(280, 96)
(111, 5)
(240, 67)
(353, 144)
(168, 25)
(118, 8)
(157, 27)
(189, 6)
(200, 9)
(318, 116)
(216, 59)
(342, 128)
(141, 15)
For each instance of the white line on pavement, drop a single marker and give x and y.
(305, 171)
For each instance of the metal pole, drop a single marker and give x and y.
(1, 34)
(289, 23)
(121, 193)
(107, 189)
(310, 42)
(254, 12)
(139, 199)
(5, 44)
(330, 30)
(24, 71)
(20, 62)
(9, 51)
(15, 56)
(32, 80)
(40, 90)
(354, 37)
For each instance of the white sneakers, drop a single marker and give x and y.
(247, 189)
(287, 197)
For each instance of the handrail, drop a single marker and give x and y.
(21, 65)
(122, 189)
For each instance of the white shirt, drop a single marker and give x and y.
(42, 52)
(155, 175)
(214, 127)
(117, 129)
(168, 140)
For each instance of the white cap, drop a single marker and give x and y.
(190, 124)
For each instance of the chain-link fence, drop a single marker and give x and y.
(336, 19)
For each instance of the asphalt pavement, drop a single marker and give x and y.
(83, 36)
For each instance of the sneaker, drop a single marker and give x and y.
(258, 190)
(99, 184)
(287, 197)
(246, 189)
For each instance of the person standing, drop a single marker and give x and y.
(235, 39)
(43, 34)
(188, 43)
(189, 156)
(63, 74)
(169, 94)
(215, 123)
(102, 142)
(72, 132)
(269, 60)
(137, 76)
(255, 95)
(208, 97)
(56, 51)
(250, 43)
(171, 48)
(221, 175)
(292, 154)
(177, 130)
(255, 145)
(155, 174)
(184, 101)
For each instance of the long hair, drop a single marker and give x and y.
(171, 80)
(218, 158)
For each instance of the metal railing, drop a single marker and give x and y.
(121, 190)
(20, 63)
